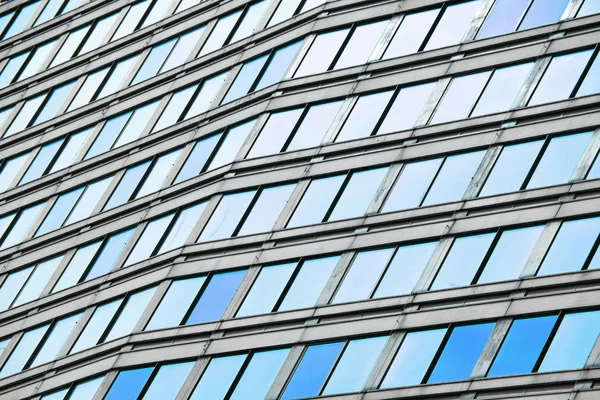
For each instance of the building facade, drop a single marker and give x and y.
(285, 199)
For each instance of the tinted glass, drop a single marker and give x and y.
(231, 145)
(198, 158)
(21, 22)
(23, 351)
(77, 266)
(322, 52)
(361, 44)
(453, 25)
(168, 381)
(130, 313)
(107, 136)
(503, 18)
(358, 194)
(245, 79)
(38, 60)
(259, 375)
(12, 68)
(59, 212)
(24, 116)
(316, 201)
(22, 226)
(267, 209)
(96, 325)
(10, 170)
(364, 116)
(129, 384)
(281, 60)
(266, 290)
(411, 33)
(88, 201)
(154, 61)
(136, 124)
(182, 228)
(127, 185)
(41, 162)
(109, 254)
(220, 33)
(217, 377)
(406, 108)
(160, 173)
(148, 241)
(308, 283)
(60, 332)
(591, 83)
(460, 97)
(12, 285)
(314, 125)
(502, 89)
(175, 303)
(216, 297)
(38, 281)
(227, 215)
(275, 133)
(543, 12)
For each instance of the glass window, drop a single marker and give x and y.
(107, 136)
(23, 351)
(226, 217)
(589, 7)
(22, 225)
(504, 17)
(154, 61)
(314, 125)
(364, 116)
(136, 124)
(101, 28)
(450, 185)
(322, 52)
(129, 384)
(266, 209)
(591, 83)
(308, 283)
(502, 89)
(157, 12)
(412, 361)
(49, 12)
(96, 326)
(406, 108)
(175, 303)
(230, 146)
(410, 35)
(159, 173)
(453, 25)
(543, 12)
(245, 79)
(215, 298)
(460, 97)
(60, 211)
(355, 365)
(109, 254)
(461, 352)
(182, 228)
(77, 266)
(12, 286)
(127, 185)
(198, 158)
(70, 45)
(316, 201)
(87, 91)
(132, 19)
(204, 99)
(10, 169)
(168, 381)
(88, 201)
(21, 22)
(37, 281)
(358, 194)
(560, 77)
(251, 18)
(183, 49)
(285, 10)
(275, 133)
(522, 346)
(12, 68)
(36, 62)
(25, 115)
(361, 44)
(118, 76)
(278, 65)
(259, 375)
(130, 314)
(220, 33)
(54, 103)
(80, 391)
(42, 159)
(267, 289)
(218, 377)
(71, 5)
(144, 247)
(53, 343)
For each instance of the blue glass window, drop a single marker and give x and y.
(259, 375)
(358, 194)
(218, 377)
(591, 83)
(543, 12)
(504, 17)
(216, 297)
(129, 384)
(198, 158)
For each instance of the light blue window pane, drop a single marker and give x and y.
(131, 313)
(511, 168)
(173, 111)
(4, 20)
(259, 375)
(285, 10)
(89, 200)
(12, 285)
(559, 160)
(245, 79)
(185, 4)
(182, 228)
(414, 358)
(522, 346)
(361, 44)
(216, 297)
(117, 77)
(248, 25)
(49, 11)
(129, 384)
(322, 52)
(96, 326)
(309, 283)
(24, 116)
(59, 334)
(227, 216)
(573, 342)
(355, 365)
(279, 64)
(60, 211)
(132, 19)
(571, 246)
(175, 304)
(87, 92)
(109, 254)
(37, 61)
(220, 32)
(463, 261)
(55, 103)
(502, 89)
(71, 5)
(159, 174)
(405, 270)
(69, 47)
(22, 20)
(453, 25)
(148, 241)
(503, 18)
(314, 125)
(510, 254)
(10, 170)
(560, 77)
(60, 395)
(107, 136)
(24, 222)
(231, 145)
(86, 390)
(275, 133)
(77, 266)
(591, 83)
(454, 178)
(198, 157)
(12, 68)
(37, 281)
(4, 114)
(23, 351)
(461, 353)
(310, 4)
(100, 31)
(157, 12)
(218, 377)
(460, 97)
(127, 185)
(41, 161)
(205, 98)
(183, 49)
(74, 145)
(543, 12)
(406, 108)
(168, 381)
(136, 124)
(358, 194)
(267, 209)
(589, 7)
(5, 221)
(361, 278)
(316, 201)
(365, 114)
(411, 33)
(310, 376)
(154, 61)
(267, 289)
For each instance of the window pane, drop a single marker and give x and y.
(154, 231)
(86, 390)
(245, 79)
(86, 93)
(183, 49)
(454, 178)
(309, 283)
(406, 108)
(154, 61)
(543, 12)
(460, 97)
(502, 89)
(37, 61)
(463, 261)
(168, 381)
(59, 334)
(511, 168)
(210, 88)
(136, 124)
(251, 19)
(589, 7)
(411, 33)
(96, 326)
(130, 314)
(510, 254)
(355, 365)
(127, 185)
(220, 32)
(132, 19)
(70, 46)
(522, 346)
(77, 266)
(21, 228)
(99, 33)
(413, 359)
(182, 228)
(361, 278)
(118, 76)
(361, 44)
(55, 103)
(198, 157)
(216, 297)
(314, 125)
(278, 66)
(38, 281)
(559, 160)
(218, 377)
(159, 174)
(21, 21)
(49, 12)
(461, 353)
(10, 170)
(173, 111)
(231, 145)
(59, 212)
(227, 216)
(285, 10)
(88, 201)
(503, 18)
(573, 342)
(41, 161)
(157, 12)
(405, 270)
(316, 201)
(314, 368)
(591, 83)
(175, 304)
(560, 77)
(364, 116)
(23, 351)
(275, 133)
(109, 254)
(267, 209)
(259, 375)
(412, 184)
(322, 52)
(358, 194)
(107, 136)
(24, 116)
(266, 290)
(129, 384)
(453, 25)
(12, 68)
(12, 285)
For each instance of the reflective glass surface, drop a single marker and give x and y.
(198, 158)
(591, 83)
(358, 194)
(361, 44)
(266, 289)
(542, 12)
(130, 313)
(259, 375)
(148, 241)
(502, 89)
(314, 125)
(41, 161)
(267, 209)
(411, 33)
(59, 333)
(127, 185)
(308, 283)
(245, 79)
(322, 52)
(316, 201)
(182, 228)
(96, 326)
(217, 377)
(364, 116)
(109, 254)
(216, 297)
(460, 97)
(453, 24)
(168, 381)
(220, 32)
(231, 145)
(275, 133)
(504, 17)
(278, 65)
(406, 108)
(129, 384)
(175, 303)
(227, 215)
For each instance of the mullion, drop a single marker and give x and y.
(487, 256)
(342, 47)
(148, 382)
(438, 354)
(383, 272)
(84, 39)
(333, 367)
(337, 196)
(435, 176)
(523, 16)
(434, 25)
(536, 163)
(248, 211)
(238, 376)
(196, 299)
(296, 127)
(551, 336)
(586, 70)
(287, 286)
